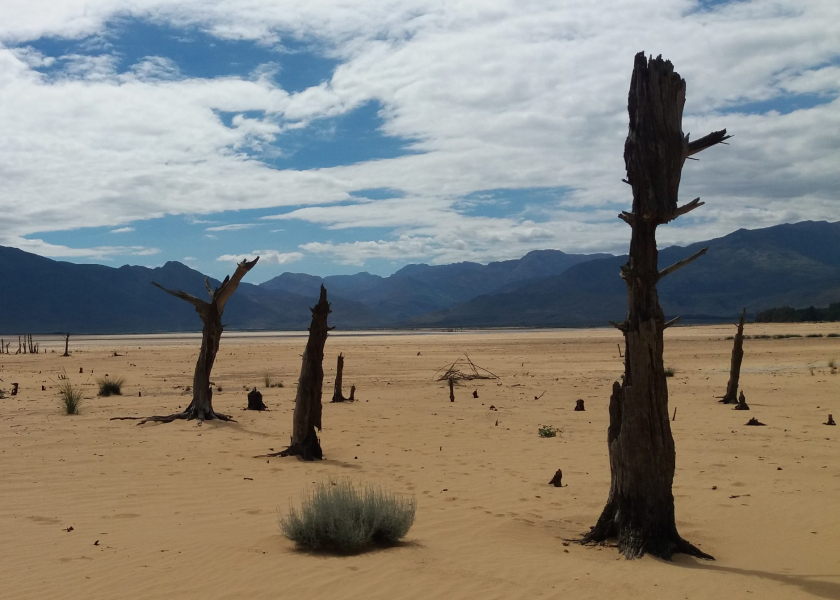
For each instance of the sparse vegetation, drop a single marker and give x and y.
(547, 431)
(71, 397)
(110, 387)
(669, 371)
(814, 335)
(833, 335)
(339, 517)
(267, 379)
(62, 375)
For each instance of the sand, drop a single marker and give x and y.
(182, 511)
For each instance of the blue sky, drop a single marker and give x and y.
(336, 137)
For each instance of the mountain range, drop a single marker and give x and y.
(787, 265)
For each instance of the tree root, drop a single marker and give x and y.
(187, 415)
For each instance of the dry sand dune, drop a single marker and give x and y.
(182, 511)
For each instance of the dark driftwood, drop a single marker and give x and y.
(579, 406)
(307, 417)
(338, 396)
(255, 401)
(742, 403)
(755, 422)
(557, 480)
(201, 407)
(830, 420)
(639, 511)
(451, 390)
(731, 396)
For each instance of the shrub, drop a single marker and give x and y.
(547, 431)
(833, 335)
(71, 397)
(338, 516)
(814, 335)
(669, 371)
(267, 379)
(109, 387)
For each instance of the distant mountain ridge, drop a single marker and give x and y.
(793, 265)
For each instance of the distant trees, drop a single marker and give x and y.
(786, 314)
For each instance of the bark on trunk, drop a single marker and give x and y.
(731, 396)
(640, 505)
(201, 407)
(339, 371)
(307, 415)
(66, 345)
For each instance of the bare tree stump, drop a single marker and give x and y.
(755, 422)
(255, 400)
(639, 511)
(201, 407)
(557, 480)
(742, 402)
(307, 417)
(830, 420)
(66, 345)
(731, 396)
(451, 390)
(475, 393)
(579, 406)
(14, 389)
(338, 396)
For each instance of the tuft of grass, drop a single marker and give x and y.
(62, 375)
(669, 371)
(110, 387)
(340, 517)
(267, 379)
(547, 431)
(71, 397)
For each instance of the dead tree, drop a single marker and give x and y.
(307, 415)
(66, 345)
(731, 396)
(639, 512)
(255, 400)
(201, 407)
(337, 395)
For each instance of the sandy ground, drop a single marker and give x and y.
(182, 511)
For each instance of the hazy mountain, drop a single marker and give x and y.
(793, 265)
(788, 265)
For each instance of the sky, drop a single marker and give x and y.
(332, 137)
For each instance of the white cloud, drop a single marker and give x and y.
(122, 230)
(497, 94)
(231, 227)
(271, 257)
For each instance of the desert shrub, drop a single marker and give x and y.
(339, 517)
(267, 379)
(814, 335)
(833, 335)
(547, 431)
(761, 337)
(71, 397)
(110, 387)
(669, 371)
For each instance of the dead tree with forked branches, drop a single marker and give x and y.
(201, 407)
(731, 396)
(639, 512)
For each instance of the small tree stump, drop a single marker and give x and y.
(830, 420)
(475, 393)
(255, 401)
(556, 481)
(755, 421)
(742, 402)
(14, 389)
(451, 390)
(579, 405)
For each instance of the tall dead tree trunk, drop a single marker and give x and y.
(66, 345)
(201, 407)
(640, 506)
(338, 396)
(307, 415)
(731, 396)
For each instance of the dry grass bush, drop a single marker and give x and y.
(339, 517)
(110, 387)
(71, 397)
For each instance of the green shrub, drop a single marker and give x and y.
(547, 431)
(71, 397)
(110, 387)
(339, 517)
(669, 371)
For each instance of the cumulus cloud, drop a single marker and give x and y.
(271, 257)
(497, 94)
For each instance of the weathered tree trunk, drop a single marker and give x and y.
(255, 400)
(451, 390)
(742, 403)
(731, 396)
(201, 407)
(307, 415)
(66, 345)
(339, 371)
(579, 405)
(640, 506)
